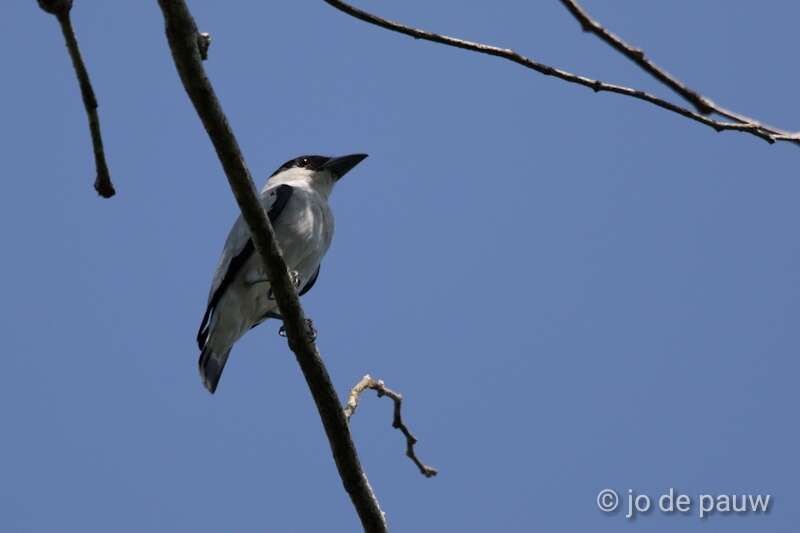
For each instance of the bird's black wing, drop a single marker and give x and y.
(310, 283)
(282, 195)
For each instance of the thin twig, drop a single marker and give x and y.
(61, 10)
(182, 35)
(703, 104)
(368, 382)
(753, 128)
(638, 56)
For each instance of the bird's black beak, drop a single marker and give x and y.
(339, 166)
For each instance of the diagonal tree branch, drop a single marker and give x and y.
(182, 35)
(753, 128)
(368, 382)
(703, 105)
(61, 10)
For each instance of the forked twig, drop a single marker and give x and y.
(368, 382)
(741, 124)
(703, 105)
(61, 10)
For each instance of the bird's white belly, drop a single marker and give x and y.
(304, 232)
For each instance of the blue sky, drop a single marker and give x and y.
(573, 290)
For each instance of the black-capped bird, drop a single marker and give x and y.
(296, 200)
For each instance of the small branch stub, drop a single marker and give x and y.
(368, 382)
(203, 43)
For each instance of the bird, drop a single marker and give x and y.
(295, 198)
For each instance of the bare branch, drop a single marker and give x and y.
(703, 105)
(368, 382)
(754, 128)
(182, 35)
(638, 56)
(61, 10)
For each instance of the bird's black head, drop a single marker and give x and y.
(311, 162)
(339, 166)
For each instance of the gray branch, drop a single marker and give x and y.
(61, 10)
(368, 382)
(182, 35)
(740, 123)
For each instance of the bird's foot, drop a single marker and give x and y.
(312, 331)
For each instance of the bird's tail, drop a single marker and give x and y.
(211, 365)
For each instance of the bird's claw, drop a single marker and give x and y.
(312, 331)
(294, 275)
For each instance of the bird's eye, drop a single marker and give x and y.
(302, 162)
